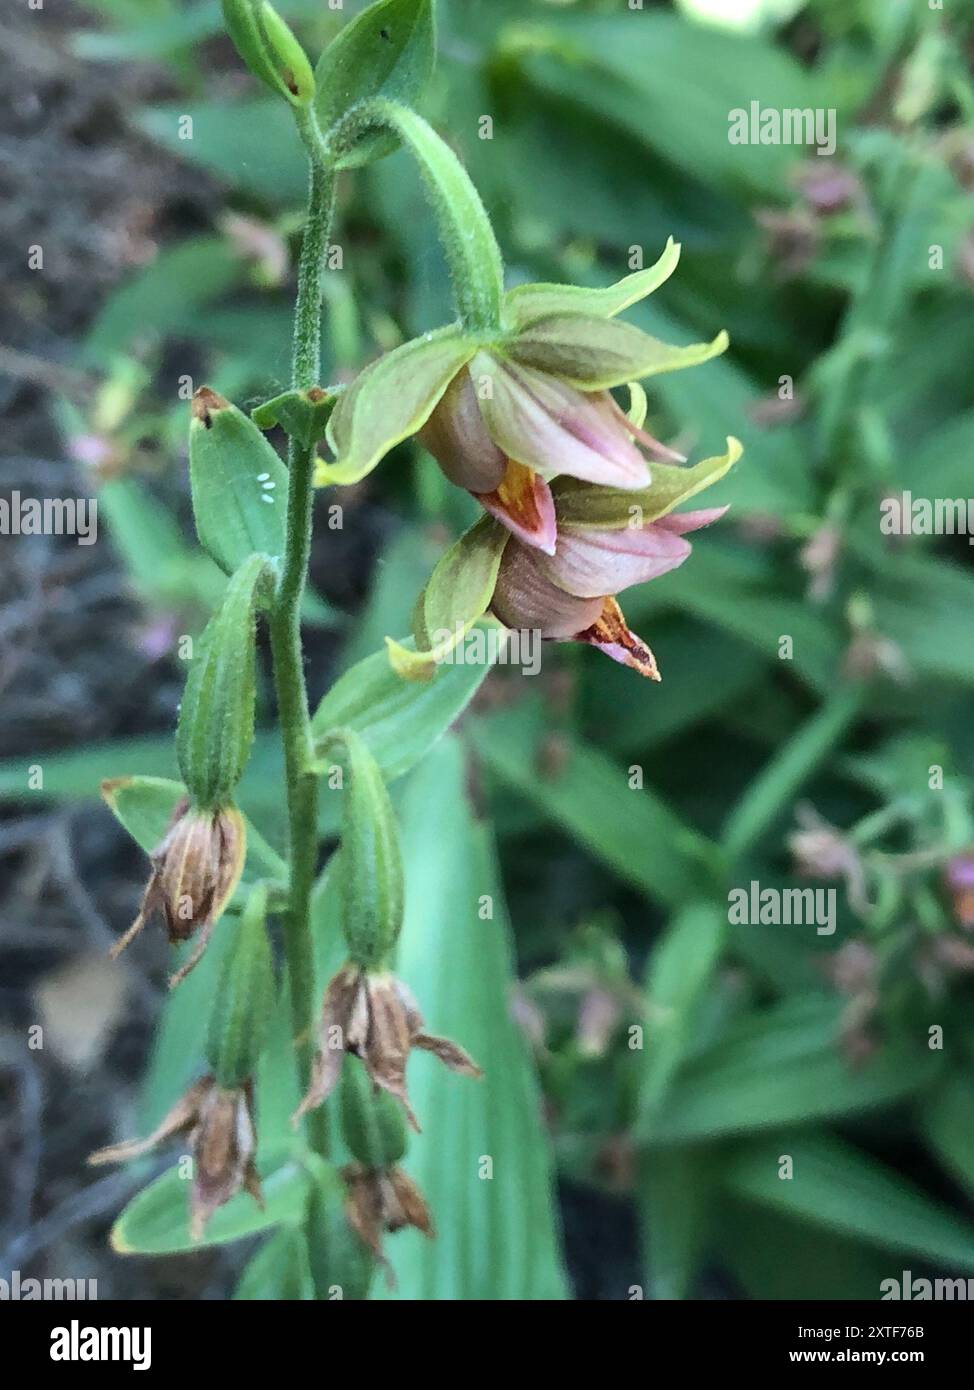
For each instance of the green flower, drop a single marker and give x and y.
(506, 414)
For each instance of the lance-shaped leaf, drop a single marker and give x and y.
(386, 51)
(604, 509)
(595, 353)
(459, 592)
(244, 998)
(216, 718)
(303, 415)
(156, 1221)
(527, 303)
(239, 484)
(370, 862)
(399, 720)
(391, 400)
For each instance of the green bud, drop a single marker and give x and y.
(292, 60)
(270, 50)
(216, 719)
(341, 1264)
(370, 860)
(244, 999)
(373, 1124)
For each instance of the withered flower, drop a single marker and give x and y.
(195, 870)
(219, 1122)
(374, 1016)
(383, 1199)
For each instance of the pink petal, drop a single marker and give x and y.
(525, 598)
(592, 563)
(553, 428)
(679, 523)
(524, 504)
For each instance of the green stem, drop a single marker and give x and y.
(472, 252)
(285, 631)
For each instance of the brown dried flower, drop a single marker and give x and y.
(376, 1017)
(195, 870)
(383, 1199)
(220, 1124)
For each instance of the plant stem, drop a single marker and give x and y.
(285, 631)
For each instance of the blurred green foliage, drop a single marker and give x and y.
(816, 672)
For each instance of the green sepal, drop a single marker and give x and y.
(373, 1124)
(244, 1001)
(526, 303)
(596, 354)
(341, 1264)
(391, 400)
(457, 594)
(303, 415)
(389, 50)
(216, 718)
(238, 482)
(271, 52)
(612, 509)
(369, 866)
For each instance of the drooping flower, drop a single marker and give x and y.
(571, 595)
(383, 1199)
(223, 1139)
(374, 1016)
(507, 416)
(195, 870)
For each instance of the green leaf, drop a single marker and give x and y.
(279, 1271)
(156, 1222)
(947, 1125)
(387, 51)
(459, 591)
(680, 970)
(216, 717)
(674, 1196)
(841, 1189)
(239, 484)
(596, 354)
(496, 1239)
(527, 303)
(773, 789)
(231, 140)
(580, 504)
(391, 400)
(399, 720)
(633, 832)
(781, 1066)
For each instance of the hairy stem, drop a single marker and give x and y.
(285, 629)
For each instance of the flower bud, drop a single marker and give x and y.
(370, 861)
(195, 871)
(372, 1123)
(216, 719)
(270, 50)
(340, 1261)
